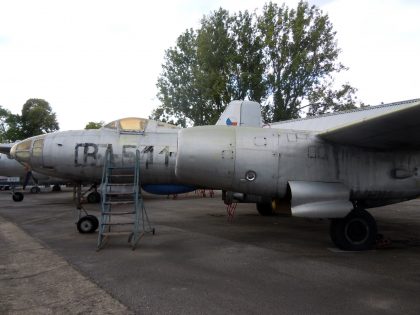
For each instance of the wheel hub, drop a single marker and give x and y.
(357, 231)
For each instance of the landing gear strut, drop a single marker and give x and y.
(86, 223)
(357, 231)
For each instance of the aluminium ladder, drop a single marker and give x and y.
(122, 207)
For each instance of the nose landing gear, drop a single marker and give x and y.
(86, 223)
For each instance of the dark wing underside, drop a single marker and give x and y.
(398, 129)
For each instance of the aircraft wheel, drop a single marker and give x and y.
(56, 188)
(17, 196)
(35, 190)
(95, 220)
(265, 208)
(87, 224)
(357, 231)
(94, 197)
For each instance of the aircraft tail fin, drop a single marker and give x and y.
(241, 113)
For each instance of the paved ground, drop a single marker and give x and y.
(198, 263)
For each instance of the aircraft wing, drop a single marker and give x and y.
(395, 129)
(5, 147)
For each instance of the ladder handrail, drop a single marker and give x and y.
(140, 215)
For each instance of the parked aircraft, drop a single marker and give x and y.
(11, 168)
(334, 166)
(79, 155)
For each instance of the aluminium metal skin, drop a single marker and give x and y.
(78, 155)
(11, 168)
(351, 161)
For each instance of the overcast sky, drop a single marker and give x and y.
(99, 60)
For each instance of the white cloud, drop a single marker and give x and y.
(99, 60)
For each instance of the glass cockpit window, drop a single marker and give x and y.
(133, 124)
(37, 147)
(111, 125)
(24, 145)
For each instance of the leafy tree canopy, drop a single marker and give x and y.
(4, 114)
(37, 118)
(283, 58)
(94, 125)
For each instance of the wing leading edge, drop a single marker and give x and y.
(399, 129)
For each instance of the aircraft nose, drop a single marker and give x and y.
(21, 151)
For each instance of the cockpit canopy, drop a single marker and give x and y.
(135, 125)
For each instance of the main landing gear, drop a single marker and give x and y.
(265, 208)
(56, 188)
(357, 231)
(86, 223)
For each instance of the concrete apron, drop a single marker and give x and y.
(35, 280)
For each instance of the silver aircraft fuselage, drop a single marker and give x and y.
(263, 161)
(79, 155)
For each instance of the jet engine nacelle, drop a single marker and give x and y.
(232, 159)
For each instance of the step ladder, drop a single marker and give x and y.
(122, 208)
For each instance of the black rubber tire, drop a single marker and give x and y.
(265, 208)
(56, 188)
(35, 190)
(17, 196)
(94, 197)
(95, 220)
(86, 224)
(357, 231)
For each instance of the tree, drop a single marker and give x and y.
(36, 118)
(300, 54)
(94, 125)
(179, 92)
(4, 114)
(326, 100)
(208, 68)
(283, 58)
(248, 76)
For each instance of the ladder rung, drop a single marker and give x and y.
(119, 202)
(112, 193)
(118, 213)
(116, 233)
(121, 175)
(128, 178)
(118, 223)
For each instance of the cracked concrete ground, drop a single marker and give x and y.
(199, 263)
(34, 280)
